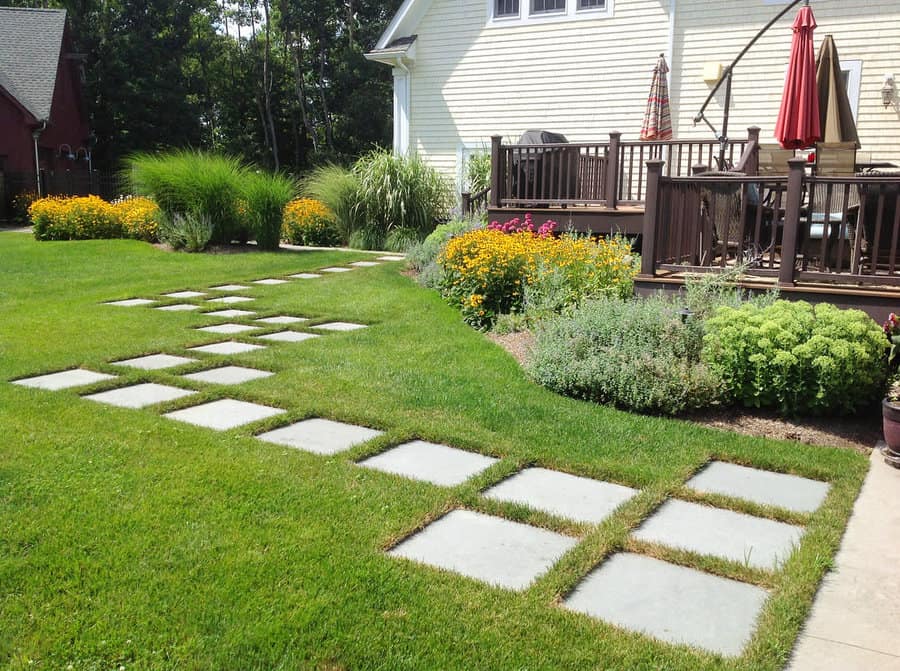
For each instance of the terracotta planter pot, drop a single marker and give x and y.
(890, 413)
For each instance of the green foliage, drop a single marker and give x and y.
(706, 292)
(337, 188)
(422, 256)
(76, 218)
(636, 354)
(309, 222)
(190, 232)
(478, 172)
(797, 358)
(266, 195)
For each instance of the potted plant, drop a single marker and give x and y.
(890, 406)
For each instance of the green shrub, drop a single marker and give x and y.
(638, 354)
(478, 172)
(190, 232)
(337, 188)
(309, 222)
(797, 358)
(266, 196)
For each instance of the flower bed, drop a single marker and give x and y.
(91, 217)
(309, 222)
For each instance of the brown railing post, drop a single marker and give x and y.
(496, 173)
(612, 171)
(651, 218)
(466, 203)
(790, 234)
(752, 165)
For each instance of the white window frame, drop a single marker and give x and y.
(853, 67)
(525, 16)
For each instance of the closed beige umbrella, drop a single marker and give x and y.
(835, 113)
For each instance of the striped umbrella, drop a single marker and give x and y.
(798, 120)
(658, 117)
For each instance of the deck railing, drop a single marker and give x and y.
(797, 227)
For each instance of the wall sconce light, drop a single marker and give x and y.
(69, 154)
(888, 94)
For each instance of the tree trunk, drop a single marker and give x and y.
(301, 94)
(326, 115)
(267, 87)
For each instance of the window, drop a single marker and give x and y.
(506, 8)
(591, 4)
(852, 73)
(547, 6)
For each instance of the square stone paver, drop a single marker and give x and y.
(131, 302)
(228, 328)
(230, 299)
(230, 287)
(491, 549)
(305, 276)
(745, 539)
(270, 281)
(438, 464)
(576, 498)
(339, 326)
(336, 269)
(392, 258)
(288, 336)
(672, 603)
(228, 375)
(282, 319)
(764, 487)
(224, 414)
(186, 294)
(229, 314)
(178, 307)
(154, 362)
(140, 395)
(66, 379)
(227, 347)
(321, 436)
(365, 264)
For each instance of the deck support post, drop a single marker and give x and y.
(790, 234)
(612, 171)
(497, 170)
(651, 218)
(466, 203)
(751, 167)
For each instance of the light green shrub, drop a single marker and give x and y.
(190, 232)
(266, 196)
(337, 188)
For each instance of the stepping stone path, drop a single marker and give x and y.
(320, 436)
(494, 550)
(186, 294)
(270, 281)
(569, 496)
(437, 464)
(305, 276)
(228, 328)
(154, 362)
(140, 395)
(229, 314)
(745, 539)
(230, 299)
(336, 269)
(392, 258)
(672, 603)
(284, 319)
(791, 492)
(228, 375)
(288, 336)
(339, 326)
(65, 379)
(131, 302)
(178, 307)
(227, 347)
(365, 264)
(230, 287)
(224, 414)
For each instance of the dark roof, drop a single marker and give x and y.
(401, 43)
(30, 44)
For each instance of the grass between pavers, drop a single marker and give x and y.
(128, 539)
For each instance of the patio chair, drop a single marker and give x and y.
(826, 217)
(722, 203)
(773, 160)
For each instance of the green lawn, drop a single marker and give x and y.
(130, 540)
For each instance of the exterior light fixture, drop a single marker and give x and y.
(66, 151)
(888, 94)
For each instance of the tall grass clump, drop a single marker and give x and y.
(187, 182)
(338, 189)
(265, 196)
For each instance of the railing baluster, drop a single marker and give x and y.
(826, 227)
(894, 237)
(774, 235)
(878, 217)
(845, 223)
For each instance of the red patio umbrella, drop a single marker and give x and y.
(798, 121)
(658, 117)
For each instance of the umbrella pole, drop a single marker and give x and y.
(723, 139)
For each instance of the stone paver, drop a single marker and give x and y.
(154, 362)
(66, 379)
(224, 414)
(227, 347)
(365, 264)
(288, 336)
(305, 276)
(437, 464)
(336, 269)
(178, 307)
(270, 281)
(186, 294)
(229, 314)
(745, 539)
(764, 487)
(339, 326)
(228, 328)
(854, 621)
(140, 395)
(282, 319)
(230, 299)
(320, 436)
(228, 375)
(230, 287)
(491, 549)
(131, 302)
(672, 603)
(392, 258)
(576, 498)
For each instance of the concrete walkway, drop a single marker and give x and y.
(855, 621)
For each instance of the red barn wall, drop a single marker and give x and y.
(15, 138)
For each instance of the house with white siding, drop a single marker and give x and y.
(465, 70)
